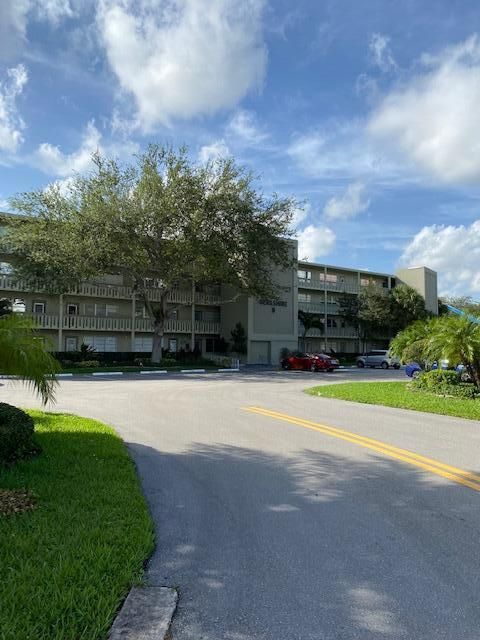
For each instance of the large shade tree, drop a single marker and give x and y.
(309, 321)
(161, 220)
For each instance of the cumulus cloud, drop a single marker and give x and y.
(381, 53)
(52, 160)
(300, 214)
(453, 251)
(315, 242)
(217, 149)
(350, 204)
(11, 124)
(434, 119)
(190, 58)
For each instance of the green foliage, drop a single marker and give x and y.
(411, 344)
(435, 380)
(23, 354)
(406, 306)
(168, 362)
(88, 364)
(86, 350)
(5, 307)
(465, 303)
(310, 321)
(16, 434)
(239, 338)
(68, 564)
(398, 394)
(162, 220)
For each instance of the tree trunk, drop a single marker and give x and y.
(158, 337)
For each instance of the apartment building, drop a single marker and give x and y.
(321, 285)
(106, 314)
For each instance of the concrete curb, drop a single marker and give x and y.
(146, 614)
(108, 373)
(222, 370)
(144, 373)
(193, 370)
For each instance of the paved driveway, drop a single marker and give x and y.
(275, 531)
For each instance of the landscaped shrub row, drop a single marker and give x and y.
(446, 383)
(16, 434)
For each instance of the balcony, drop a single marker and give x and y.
(332, 332)
(322, 285)
(86, 289)
(93, 323)
(318, 307)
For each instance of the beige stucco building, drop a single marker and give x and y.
(106, 314)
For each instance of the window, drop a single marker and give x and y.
(143, 344)
(210, 345)
(331, 322)
(70, 344)
(6, 268)
(304, 275)
(198, 316)
(139, 310)
(38, 307)
(102, 343)
(304, 297)
(328, 277)
(173, 315)
(72, 309)
(365, 282)
(105, 310)
(172, 345)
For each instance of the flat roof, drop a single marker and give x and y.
(331, 266)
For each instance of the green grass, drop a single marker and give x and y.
(66, 566)
(397, 394)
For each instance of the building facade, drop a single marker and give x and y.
(106, 314)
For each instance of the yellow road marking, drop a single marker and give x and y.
(455, 474)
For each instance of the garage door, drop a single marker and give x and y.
(259, 352)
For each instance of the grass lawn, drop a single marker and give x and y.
(397, 394)
(66, 565)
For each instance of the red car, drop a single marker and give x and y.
(310, 362)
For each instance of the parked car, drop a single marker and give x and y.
(378, 358)
(413, 370)
(310, 362)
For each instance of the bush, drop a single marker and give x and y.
(284, 353)
(16, 434)
(168, 362)
(445, 383)
(89, 364)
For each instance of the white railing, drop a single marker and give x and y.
(322, 285)
(318, 307)
(87, 289)
(94, 323)
(331, 332)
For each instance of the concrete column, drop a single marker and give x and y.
(60, 323)
(192, 336)
(132, 330)
(325, 314)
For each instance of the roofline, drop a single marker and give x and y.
(331, 266)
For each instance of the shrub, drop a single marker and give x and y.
(168, 362)
(445, 383)
(89, 364)
(16, 434)
(284, 353)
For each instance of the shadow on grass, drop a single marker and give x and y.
(311, 546)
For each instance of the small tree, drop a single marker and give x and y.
(309, 321)
(406, 306)
(239, 338)
(23, 354)
(348, 310)
(160, 221)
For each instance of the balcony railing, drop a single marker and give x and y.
(318, 307)
(86, 289)
(331, 332)
(93, 323)
(321, 285)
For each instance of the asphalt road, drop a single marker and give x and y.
(275, 531)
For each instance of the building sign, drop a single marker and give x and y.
(272, 303)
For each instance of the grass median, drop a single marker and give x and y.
(67, 564)
(397, 394)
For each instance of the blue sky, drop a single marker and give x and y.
(368, 112)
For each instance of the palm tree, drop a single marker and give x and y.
(411, 343)
(457, 338)
(309, 321)
(22, 354)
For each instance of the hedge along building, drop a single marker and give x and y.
(106, 314)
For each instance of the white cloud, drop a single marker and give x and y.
(453, 251)
(186, 58)
(4, 206)
(300, 214)
(50, 159)
(350, 204)
(217, 149)
(381, 53)
(315, 242)
(434, 119)
(243, 126)
(11, 124)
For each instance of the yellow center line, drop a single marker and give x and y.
(455, 474)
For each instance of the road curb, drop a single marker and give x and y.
(146, 614)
